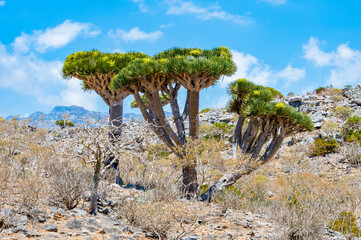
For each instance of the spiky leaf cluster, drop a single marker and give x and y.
(89, 63)
(175, 62)
(249, 99)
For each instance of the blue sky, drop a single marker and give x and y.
(291, 45)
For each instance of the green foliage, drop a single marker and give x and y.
(346, 223)
(321, 147)
(164, 99)
(158, 151)
(64, 123)
(216, 131)
(351, 130)
(343, 112)
(212, 63)
(205, 110)
(225, 127)
(88, 63)
(320, 90)
(249, 99)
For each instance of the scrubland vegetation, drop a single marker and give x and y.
(186, 178)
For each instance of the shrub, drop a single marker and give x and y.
(351, 130)
(346, 224)
(64, 123)
(343, 112)
(320, 90)
(330, 128)
(205, 110)
(68, 184)
(352, 153)
(321, 147)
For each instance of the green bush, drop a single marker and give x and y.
(351, 130)
(346, 224)
(225, 127)
(321, 147)
(64, 123)
(205, 110)
(320, 90)
(343, 112)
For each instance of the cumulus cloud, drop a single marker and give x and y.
(344, 62)
(142, 6)
(2, 3)
(54, 38)
(252, 69)
(135, 34)
(275, 2)
(29, 75)
(180, 7)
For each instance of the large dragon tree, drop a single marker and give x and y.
(269, 123)
(96, 69)
(163, 75)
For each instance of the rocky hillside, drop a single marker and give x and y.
(250, 210)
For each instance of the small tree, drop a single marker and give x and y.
(191, 68)
(269, 124)
(64, 123)
(96, 69)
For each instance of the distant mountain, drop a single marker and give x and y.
(76, 114)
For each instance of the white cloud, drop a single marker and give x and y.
(275, 2)
(344, 62)
(166, 25)
(142, 6)
(252, 69)
(2, 3)
(291, 74)
(180, 7)
(135, 34)
(29, 75)
(56, 37)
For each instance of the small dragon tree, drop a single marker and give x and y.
(163, 75)
(96, 69)
(269, 124)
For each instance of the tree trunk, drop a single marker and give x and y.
(116, 118)
(189, 171)
(94, 192)
(186, 107)
(194, 114)
(190, 185)
(230, 178)
(237, 135)
(227, 180)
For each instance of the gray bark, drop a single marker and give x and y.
(94, 192)
(237, 135)
(116, 118)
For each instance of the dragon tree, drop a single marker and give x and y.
(269, 123)
(163, 75)
(96, 69)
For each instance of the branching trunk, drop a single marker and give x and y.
(230, 178)
(237, 135)
(94, 192)
(190, 185)
(186, 107)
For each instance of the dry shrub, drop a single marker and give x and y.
(304, 205)
(4, 178)
(30, 192)
(68, 184)
(352, 153)
(159, 218)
